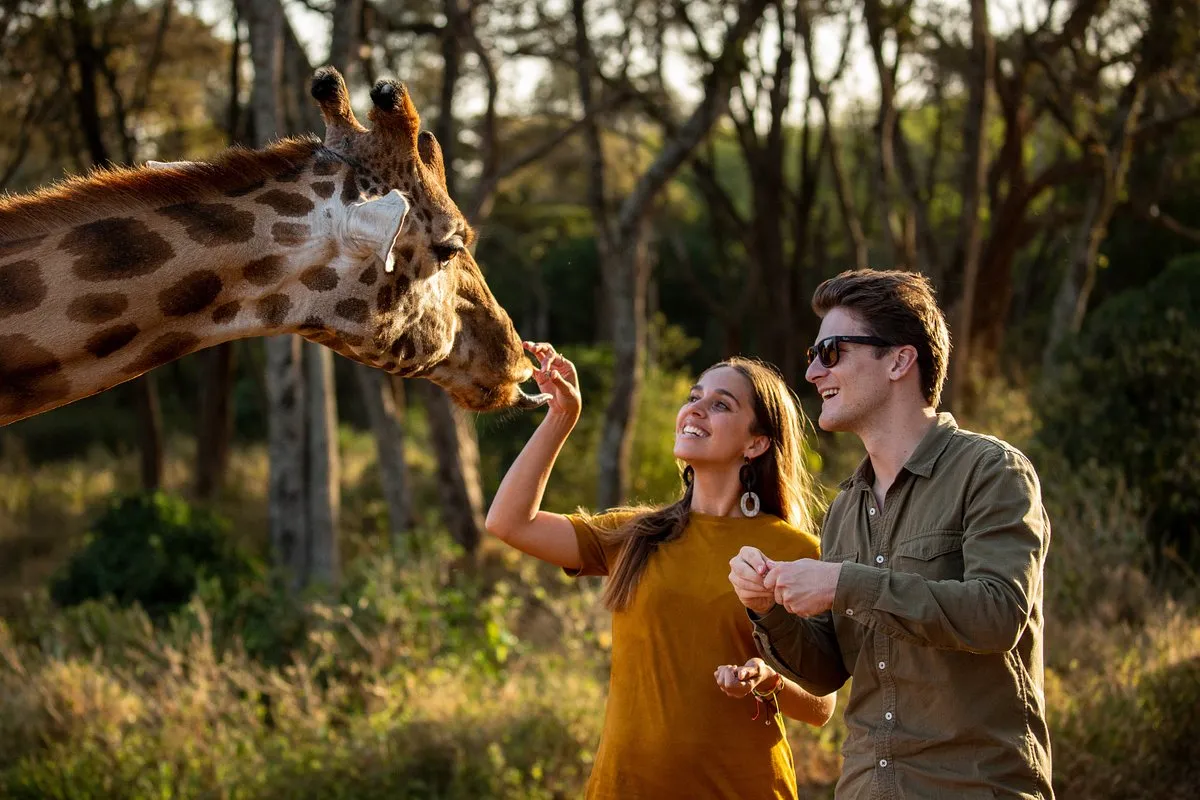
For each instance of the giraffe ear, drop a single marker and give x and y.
(431, 154)
(375, 224)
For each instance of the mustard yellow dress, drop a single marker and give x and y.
(669, 731)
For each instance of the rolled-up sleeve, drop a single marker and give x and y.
(1004, 545)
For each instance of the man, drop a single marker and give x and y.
(929, 589)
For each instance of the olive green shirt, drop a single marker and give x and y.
(937, 617)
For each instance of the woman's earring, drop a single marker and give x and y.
(689, 475)
(750, 504)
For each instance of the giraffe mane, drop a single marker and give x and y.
(83, 198)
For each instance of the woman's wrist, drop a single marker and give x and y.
(561, 421)
(769, 685)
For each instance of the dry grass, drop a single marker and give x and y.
(417, 681)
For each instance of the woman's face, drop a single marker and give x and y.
(714, 424)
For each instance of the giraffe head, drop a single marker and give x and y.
(421, 307)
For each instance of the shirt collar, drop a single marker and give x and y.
(922, 460)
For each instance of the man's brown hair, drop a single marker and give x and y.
(897, 306)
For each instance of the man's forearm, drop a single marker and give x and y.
(802, 650)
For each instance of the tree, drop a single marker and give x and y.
(621, 232)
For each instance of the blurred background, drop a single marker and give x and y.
(657, 185)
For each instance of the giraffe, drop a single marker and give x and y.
(351, 242)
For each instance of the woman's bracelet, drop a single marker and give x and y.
(773, 691)
(768, 699)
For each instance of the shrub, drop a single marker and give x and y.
(1128, 394)
(152, 549)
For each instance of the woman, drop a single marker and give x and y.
(668, 731)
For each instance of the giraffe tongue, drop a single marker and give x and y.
(528, 402)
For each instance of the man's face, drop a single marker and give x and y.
(857, 386)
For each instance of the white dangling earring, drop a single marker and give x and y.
(750, 503)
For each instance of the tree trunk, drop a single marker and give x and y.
(388, 427)
(287, 410)
(974, 173)
(453, 438)
(628, 303)
(324, 466)
(345, 38)
(620, 243)
(286, 418)
(216, 419)
(150, 436)
(1070, 303)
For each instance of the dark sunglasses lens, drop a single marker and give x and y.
(828, 351)
(811, 355)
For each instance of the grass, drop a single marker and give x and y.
(414, 680)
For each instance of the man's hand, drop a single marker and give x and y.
(746, 571)
(804, 587)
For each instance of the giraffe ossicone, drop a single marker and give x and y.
(351, 242)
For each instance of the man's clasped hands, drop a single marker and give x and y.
(805, 587)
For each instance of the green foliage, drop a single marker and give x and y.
(151, 549)
(1128, 397)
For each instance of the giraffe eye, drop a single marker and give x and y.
(445, 251)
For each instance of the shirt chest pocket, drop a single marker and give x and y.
(935, 555)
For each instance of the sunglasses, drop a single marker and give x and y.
(827, 349)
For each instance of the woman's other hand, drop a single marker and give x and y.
(556, 377)
(738, 681)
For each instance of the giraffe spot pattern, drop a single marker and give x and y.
(21, 288)
(386, 300)
(324, 189)
(320, 279)
(369, 276)
(164, 349)
(97, 307)
(212, 224)
(291, 175)
(110, 340)
(350, 187)
(247, 189)
(273, 308)
(350, 338)
(263, 271)
(405, 253)
(18, 246)
(225, 312)
(352, 309)
(289, 234)
(115, 249)
(30, 376)
(191, 294)
(288, 204)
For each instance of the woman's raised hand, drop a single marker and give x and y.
(556, 377)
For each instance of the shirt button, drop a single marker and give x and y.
(878, 559)
(883, 762)
(849, 612)
(871, 512)
(888, 715)
(882, 664)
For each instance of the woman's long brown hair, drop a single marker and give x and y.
(783, 482)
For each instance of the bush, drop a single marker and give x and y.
(1129, 394)
(154, 550)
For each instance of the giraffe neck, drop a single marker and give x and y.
(93, 294)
